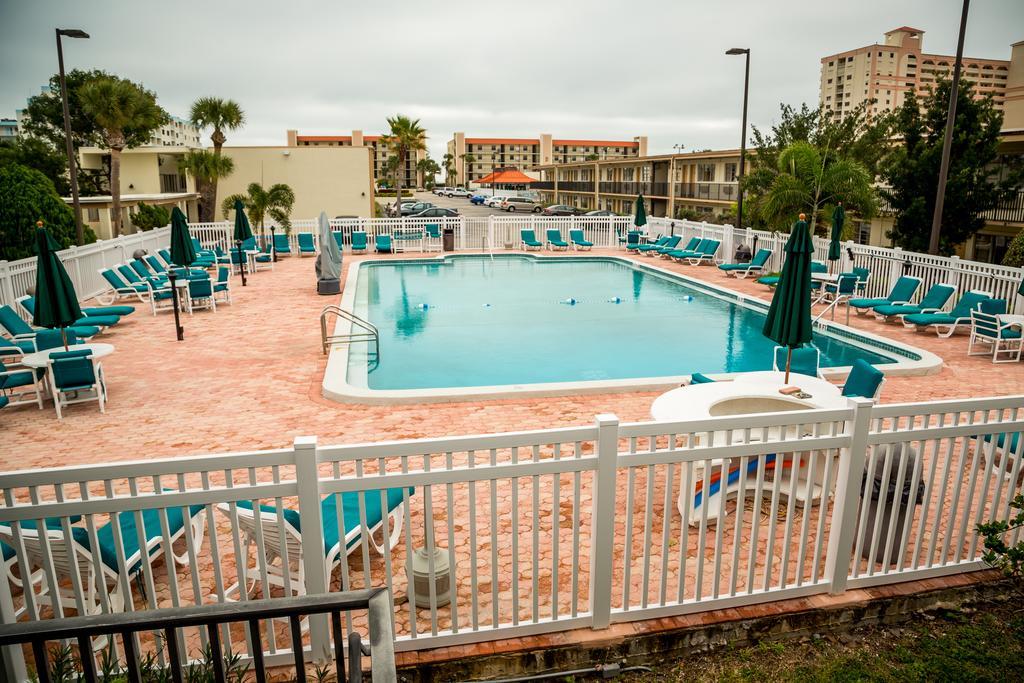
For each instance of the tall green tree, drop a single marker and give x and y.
(206, 168)
(978, 178)
(813, 180)
(405, 137)
(276, 202)
(27, 196)
(117, 105)
(37, 153)
(448, 164)
(467, 160)
(429, 168)
(220, 115)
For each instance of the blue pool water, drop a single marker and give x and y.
(474, 321)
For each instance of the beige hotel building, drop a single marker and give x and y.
(888, 72)
(529, 154)
(379, 151)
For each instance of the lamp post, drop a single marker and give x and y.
(743, 135)
(947, 141)
(72, 170)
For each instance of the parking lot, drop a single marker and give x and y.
(460, 204)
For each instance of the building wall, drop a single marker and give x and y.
(8, 129)
(379, 150)
(890, 72)
(334, 179)
(1013, 107)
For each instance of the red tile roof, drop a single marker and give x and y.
(598, 143)
(506, 177)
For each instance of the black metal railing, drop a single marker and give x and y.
(709, 191)
(168, 622)
(542, 185)
(576, 185)
(648, 189)
(1007, 211)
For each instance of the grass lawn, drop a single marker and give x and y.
(982, 645)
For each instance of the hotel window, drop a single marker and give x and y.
(706, 173)
(730, 172)
(94, 215)
(863, 234)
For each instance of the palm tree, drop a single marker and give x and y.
(221, 115)
(467, 160)
(206, 168)
(429, 168)
(116, 104)
(811, 180)
(276, 202)
(449, 167)
(406, 137)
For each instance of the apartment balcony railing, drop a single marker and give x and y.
(724, 192)
(1007, 211)
(648, 189)
(542, 185)
(577, 185)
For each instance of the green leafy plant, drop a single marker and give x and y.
(206, 168)
(260, 202)
(1015, 252)
(1000, 555)
(405, 137)
(27, 196)
(220, 115)
(65, 667)
(147, 217)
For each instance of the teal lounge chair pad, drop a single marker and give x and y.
(889, 309)
(50, 522)
(863, 380)
(868, 303)
(120, 311)
(129, 534)
(930, 319)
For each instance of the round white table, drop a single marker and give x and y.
(41, 359)
(777, 378)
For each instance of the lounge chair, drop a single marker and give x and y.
(267, 524)
(670, 244)
(805, 360)
(677, 254)
(902, 292)
(432, 241)
(699, 378)
(21, 386)
(382, 244)
(24, 335)
(76, 372)
(201, 295)
(632, 240)
(554, 240)
(202, 252)
(155, 264)
(863, 277)
(282, 245)
(79, 554)
(706, 255)
(742, 270)
(1004, 444)
(579, 241)
(690, 246)
(101, 321)
(946, 324)
(306, 243)
(662, 241)
(528, 239)
(339, 239)
(864, 380)
(222, 286)
(932, 302)
(359, 242)
(996, 338)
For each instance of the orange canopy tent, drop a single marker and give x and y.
(511, 177)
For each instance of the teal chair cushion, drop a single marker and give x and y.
(49, 522)
(804, 360)
(18, 379)
(1000, 440)
(698, 378)
(151, 529)
(290, 516)
(119, 311)
(863, 380)
(72, 370)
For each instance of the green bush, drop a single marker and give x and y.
(1015, 253)
(148, 217)
(27, 196)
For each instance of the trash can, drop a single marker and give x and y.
(449, 239)
(906, 498)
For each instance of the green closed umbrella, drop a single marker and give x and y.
(639, 215)
(56, 300)
(789, 317)
(834, 248)
(183, 253)
(242, 233)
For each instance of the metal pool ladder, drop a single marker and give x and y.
(367, 332)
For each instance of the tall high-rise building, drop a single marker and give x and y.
(887, 73)
(381, 152)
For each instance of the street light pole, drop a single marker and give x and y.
(743, 135)
(72, 170)
(947, 141)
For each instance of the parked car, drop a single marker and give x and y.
(525, 204)
(436, 212)
(415, 207)
(478, 199)
(561, 210)
(602, 212)
(496, 200)
(389, 209)
(439, 190)
(458, 192)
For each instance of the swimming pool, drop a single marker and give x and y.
(551, 323)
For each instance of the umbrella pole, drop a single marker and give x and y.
(241, 261)
(64, 337)
(789, 359)
(172, 277)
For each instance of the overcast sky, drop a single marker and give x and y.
(599, 69)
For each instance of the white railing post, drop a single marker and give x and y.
(896, 267)
(6, 285)
(462, 233)
(490, 232)
(846, 506)
(307, 479)
(728, 242)
(703, 229)
(602, 524)
(611, 233)
(954, 269)
(13, 668)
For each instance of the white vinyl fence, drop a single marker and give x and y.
(542, 531)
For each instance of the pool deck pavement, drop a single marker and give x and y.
(249, 377)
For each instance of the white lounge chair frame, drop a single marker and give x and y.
(1009, 347)
(98, 393)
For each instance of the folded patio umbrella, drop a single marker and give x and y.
(788, 322)
(56, 304)
(834, 247)
(242, 233)
(182, 251)
(639, 215)
(328, 262)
